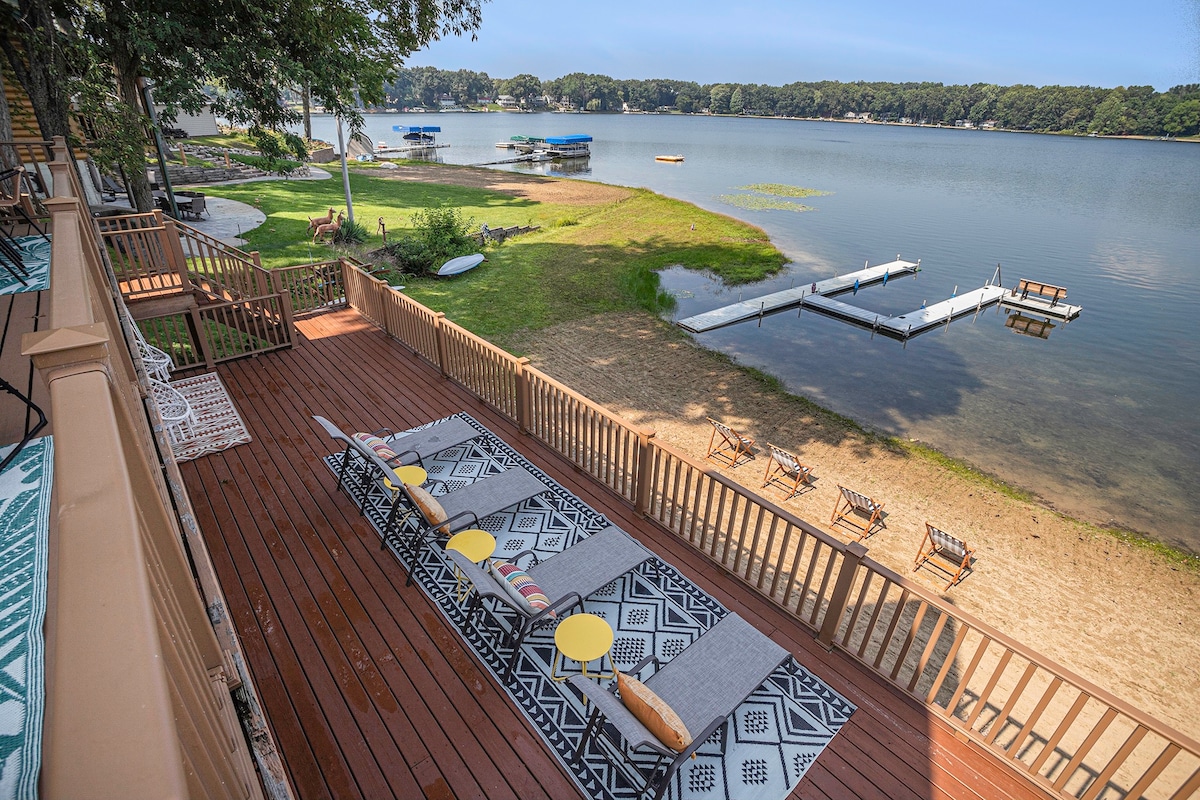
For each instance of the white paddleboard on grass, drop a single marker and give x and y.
(461, 264)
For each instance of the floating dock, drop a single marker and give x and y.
(903, 326)
(1039, 306)
(791, 298)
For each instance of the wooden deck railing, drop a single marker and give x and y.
(154, 255)
(137, 689)
(201, 300)
(312, 287)
(1052, 726)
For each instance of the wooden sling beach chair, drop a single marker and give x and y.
(954, 550)
(858, 511)
(785, 471)
(727, 446)
(680, 706)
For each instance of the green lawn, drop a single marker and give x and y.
(585, 259)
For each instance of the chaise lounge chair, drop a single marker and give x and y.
(702, 686)
(410, 448)
(565, 579)
(412, 508)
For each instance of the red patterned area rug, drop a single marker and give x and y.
(218, 426)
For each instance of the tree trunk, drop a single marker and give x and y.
(36, 57)
(126, 65)
(8, 155)
(307, 100)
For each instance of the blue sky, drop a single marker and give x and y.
(1097, 43)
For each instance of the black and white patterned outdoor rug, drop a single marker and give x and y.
(774, 736)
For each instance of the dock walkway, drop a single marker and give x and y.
(903, 326)
(790, 298)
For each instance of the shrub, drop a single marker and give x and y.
(350, 233)
(280, 165)
(439, 234)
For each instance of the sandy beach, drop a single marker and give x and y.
(1121, 616)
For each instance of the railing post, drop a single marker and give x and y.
(285, 301)
(440, 335)
(852, 557)
(257, 259)
(524, 406)
(174, 248)
(200, 337)
(643, 480)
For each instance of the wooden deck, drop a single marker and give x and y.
(366, 688)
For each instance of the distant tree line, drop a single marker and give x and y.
(1131, 110)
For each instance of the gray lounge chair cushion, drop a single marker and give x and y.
(590, 564)
(494, 493)
(434, 439)
(706, 682)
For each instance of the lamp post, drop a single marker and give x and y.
(159, 145)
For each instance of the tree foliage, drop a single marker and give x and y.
(252, 53)
(1137, 110)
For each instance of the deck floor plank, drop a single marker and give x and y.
(369, 691)
(316, 480)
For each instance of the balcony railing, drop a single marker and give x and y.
(1052, 726)
(202, 300)
(138, 685)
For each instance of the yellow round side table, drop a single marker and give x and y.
(476, 545)
(410, 476)
(583, 638)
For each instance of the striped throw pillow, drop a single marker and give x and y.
(380, 447)
(521, 587)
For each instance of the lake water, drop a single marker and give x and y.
(1100, 418)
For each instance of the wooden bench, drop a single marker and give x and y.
(954, 550)
(1054, 293)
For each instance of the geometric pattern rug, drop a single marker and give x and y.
(35, 257)
(775, 735)
(218, 424)
(24, 523)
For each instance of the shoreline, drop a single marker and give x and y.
(582, 189)
(938, 126)
(1089, 587)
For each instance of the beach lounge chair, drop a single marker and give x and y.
(417, 518)
(395, 451)
(727, 446)
(702, 686)
(858, 511)
(785, 470)
(565, 579)
(954, 550)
